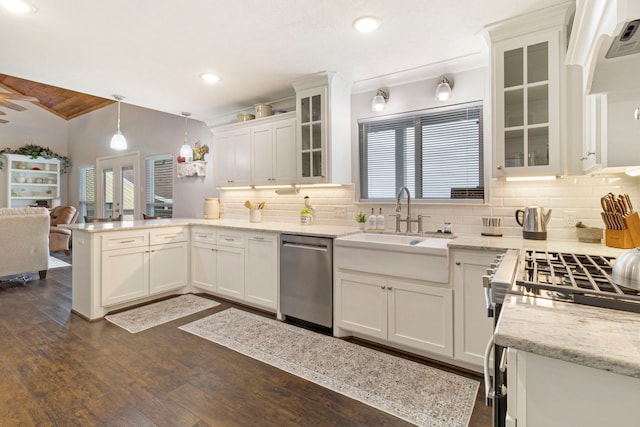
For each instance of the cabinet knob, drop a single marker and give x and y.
(382, 287)
(499, 167)
(457, 262)
(390, 288)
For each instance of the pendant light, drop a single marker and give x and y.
(118, 142)
(186, 152)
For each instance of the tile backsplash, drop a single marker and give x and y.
(336, 206)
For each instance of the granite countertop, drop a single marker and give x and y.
(494, 243)
(276, 227)
(590, 336)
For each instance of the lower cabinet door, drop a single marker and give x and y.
(203, 266)
(230, 271)
(261, 271)
(124, 275)
(421, 316)
(361, 304)
(168, 267)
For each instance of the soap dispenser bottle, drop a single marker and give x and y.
(371, 221)
(380, 221)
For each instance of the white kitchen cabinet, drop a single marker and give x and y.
(419, 316)
(261, 270)
(26, 180)
(140, 263)
(546, 392)
(168, 267)
(529, 92)
(240, 265)
(230, 264)
(125, 275)
(472, 326)
(323, 121)
(203, 258)
(273, 152)
(233, 157)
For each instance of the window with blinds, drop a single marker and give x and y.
(87, 199)
(435, 153)
(159, 184)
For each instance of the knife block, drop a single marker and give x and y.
(619, 239)
(632, 221)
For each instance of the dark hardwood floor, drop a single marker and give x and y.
(60, 370)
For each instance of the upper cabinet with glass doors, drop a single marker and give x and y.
(529, 99)
(324, 135)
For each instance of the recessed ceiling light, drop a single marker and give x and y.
(17, 6)
(367, 24)
(210, 78)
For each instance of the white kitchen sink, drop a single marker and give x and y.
(413, 257)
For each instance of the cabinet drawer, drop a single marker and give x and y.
(132, 239)
(204, 235)
(168, 235)
(226, 238)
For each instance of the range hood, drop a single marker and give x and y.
(605, 42)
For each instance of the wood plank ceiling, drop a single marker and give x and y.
(64, 103)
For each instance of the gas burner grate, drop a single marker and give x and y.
(584, 279)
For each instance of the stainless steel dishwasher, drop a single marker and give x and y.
(306, 278)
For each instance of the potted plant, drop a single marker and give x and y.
(306, 217)
(361, 219)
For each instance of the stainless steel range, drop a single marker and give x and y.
(569, 277)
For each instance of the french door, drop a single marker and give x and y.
(117, 186)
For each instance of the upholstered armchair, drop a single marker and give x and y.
(59, 237)
(24, 236)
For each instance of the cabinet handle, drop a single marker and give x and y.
(127, 241)
(257, 238)
(457, 262)
(229, 240)
(203, 236)
(170, 237)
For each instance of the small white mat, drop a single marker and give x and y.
(57, 263)
(148, 316)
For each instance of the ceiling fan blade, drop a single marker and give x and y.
(18, 97)
(2, 113)
(9, 104)
(3, 121)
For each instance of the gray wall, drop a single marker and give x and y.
(150, 133)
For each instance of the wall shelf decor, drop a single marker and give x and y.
(196, 168)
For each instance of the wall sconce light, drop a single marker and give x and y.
(186, 152)
(380, 100)
(443, 91)
(118, 142)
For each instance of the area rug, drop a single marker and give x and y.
(414, 392)
(57, 263)
(148, 316)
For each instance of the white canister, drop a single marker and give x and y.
(211, 208)
(255, 215)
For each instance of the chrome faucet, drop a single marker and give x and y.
(408, 219)
(399, 205)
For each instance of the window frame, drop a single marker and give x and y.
(417, 117)
(83, 204)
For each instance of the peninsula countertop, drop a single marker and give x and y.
(275, 227)
(596, 337)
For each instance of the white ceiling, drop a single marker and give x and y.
(153, 51)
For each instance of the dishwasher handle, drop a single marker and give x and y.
(322, 248)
